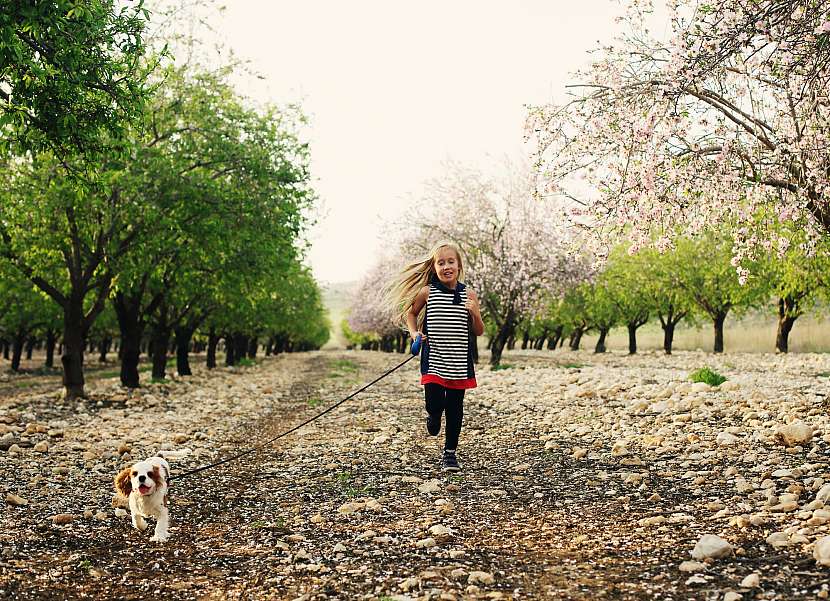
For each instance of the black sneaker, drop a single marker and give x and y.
(449, 463)
(433, 424)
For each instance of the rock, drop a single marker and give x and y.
(778, 539)
(63, 518)
(426, 543)
(430, 486)
(16, 501)
(732, 596)
(317, 519)
(579, 453)
(619, 449)
(41, 447)
(727, 439)
(439, 530)
(824, 494)
(794, 434)
(409, 584)
(120, 512)
(347, 508)
(14, 449)
(695, 580)
(692, 566)
(485, 578)
(101, 516)
(821, 552)
(180, 437)
(339, 548)
(751, 581)
(711, 546)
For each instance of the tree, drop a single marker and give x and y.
(517, 249)
(709, 278)
(726, 120)
(72, 74)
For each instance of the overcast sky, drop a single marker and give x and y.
(393, 89)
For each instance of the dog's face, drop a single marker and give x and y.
(143, 477)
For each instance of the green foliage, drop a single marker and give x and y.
(501, 367)
(73, 75)
(246, 362)
(706, 374)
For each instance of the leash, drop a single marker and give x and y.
(294, 429)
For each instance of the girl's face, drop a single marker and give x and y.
(446, 265)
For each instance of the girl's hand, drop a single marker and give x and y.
(472, 303)
(414, 335)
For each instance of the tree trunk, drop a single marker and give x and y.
(511, 342)
(17, 349)
(717, 321)
(230, 351)
(131, 328)
(104, 348)
(50, 348)
(555, 338)
(6, 349)
(253, 346)
(183, 337)
(632, 338)
(30, 346)
(600, 347)
(576, 339)
(668, 336)
(72, 358)
(525, 340)
(240, 347)
(269, 347)
(213, 340)
(160, 343)
(786, 320)
(500, 340)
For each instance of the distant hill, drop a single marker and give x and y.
(337, 297)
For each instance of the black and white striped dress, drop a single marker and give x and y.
(446, 358)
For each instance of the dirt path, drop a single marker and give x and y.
(353, 506)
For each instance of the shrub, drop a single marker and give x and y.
(705, 374)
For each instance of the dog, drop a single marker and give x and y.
(145, 485)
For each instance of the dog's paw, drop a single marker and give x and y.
(159, 538)
(140, 524)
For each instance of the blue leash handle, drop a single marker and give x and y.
(415, 347)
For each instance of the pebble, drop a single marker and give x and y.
(426, 543)
(711, 545)
(15, 500)
(751, 581)
(732, 596)
(485, 578)
(821, 551)
(41, 447)
(794, 434)
(430, 486)
(692, 566)
(63, 518)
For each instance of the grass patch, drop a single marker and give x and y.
(705, 374)
(315, 402)
(823, 374)
(246, 362)
(502, 366)
(350, 490)
(572, 365)
(342, 368)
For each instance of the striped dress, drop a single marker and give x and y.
(446, 357)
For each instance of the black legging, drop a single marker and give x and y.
(439, 399)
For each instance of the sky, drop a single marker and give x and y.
(394, 89)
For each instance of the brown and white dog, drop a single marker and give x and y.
(145, 484)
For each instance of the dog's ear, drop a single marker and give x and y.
(122, 482)
(157, 476)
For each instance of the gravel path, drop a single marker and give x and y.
(583, 477)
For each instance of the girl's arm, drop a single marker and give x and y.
(475, 312)
(415, 310)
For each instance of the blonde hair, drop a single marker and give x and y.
(404, 288)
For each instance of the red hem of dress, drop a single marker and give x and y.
(455, 384)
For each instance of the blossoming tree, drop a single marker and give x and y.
(725, 121)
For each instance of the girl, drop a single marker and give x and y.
(451, 322)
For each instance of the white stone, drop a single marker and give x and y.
(794, 434)
(430, 486)
(727, 439)
(751, 581)
(778, 539)
(485, 578)
(732, 596)
(692, 566)
(821, 552)
(711, 545)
